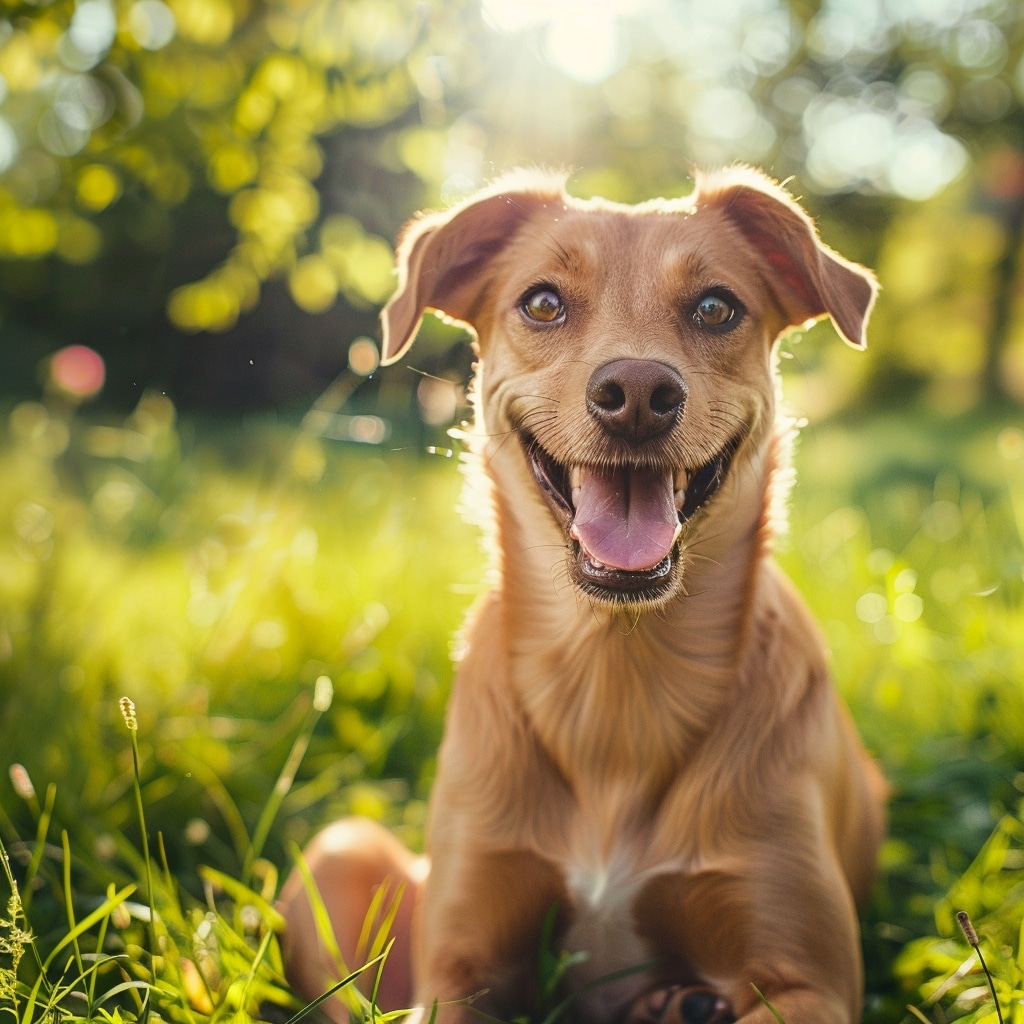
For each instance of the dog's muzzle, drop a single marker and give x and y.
(624, 520)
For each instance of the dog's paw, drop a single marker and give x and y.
(679, 1004)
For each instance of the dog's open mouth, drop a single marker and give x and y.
(624, 523)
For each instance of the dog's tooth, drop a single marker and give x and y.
(681, 482)
(575, 484)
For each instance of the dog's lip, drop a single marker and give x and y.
(693, 489)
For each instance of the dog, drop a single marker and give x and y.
(643, 739)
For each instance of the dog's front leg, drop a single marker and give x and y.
(783, 925)
(482, 918)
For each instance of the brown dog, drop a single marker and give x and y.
(643, 732)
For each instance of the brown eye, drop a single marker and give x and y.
(543, 305)
(713, 311)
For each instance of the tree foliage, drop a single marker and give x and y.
(118, 113)
(161, 161)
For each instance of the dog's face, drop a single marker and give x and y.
(628, 350)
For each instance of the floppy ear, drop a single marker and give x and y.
(809, 279)
(442, 258)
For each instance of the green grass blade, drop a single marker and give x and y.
(261, 952)
(363, 942)
(242, 894)
(333, 990)
(101, 939)
(774, 1012)
(605, 979)
(81, 927)
(379, 975)
(42, 829)
(325, 930)
(281, 788)
(125, 986)
(221, 798)
(383, 931)
(918, 1014)
(69, 900)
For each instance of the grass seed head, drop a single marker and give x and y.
(128, 713)
(22, 782)
(964, 920)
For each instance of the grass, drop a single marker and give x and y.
(281, 613)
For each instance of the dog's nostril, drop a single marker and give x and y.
(609, 396)
(667, 399)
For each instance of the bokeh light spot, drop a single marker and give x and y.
(93, 28)
(98, 186)
(313, 284)
(363, 357)
(152, 24)
(27, 233)
(979, 45)
(580, 37)
(232, 167)
(871, 608)
(1010, 444)
(438, 400)
(204, 306)
(925, 162)
(18, 63)
(208, 22)
(78, 371)
(8, 145)
(79, 241)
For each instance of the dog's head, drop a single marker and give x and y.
(629, 349)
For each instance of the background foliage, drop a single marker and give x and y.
(219, 167)
(206, 192)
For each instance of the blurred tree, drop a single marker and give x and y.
(182, 154)
(173, 154)
(128, 108)
(879, 112)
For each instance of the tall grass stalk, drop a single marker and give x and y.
(69, 902)
(127, 706)
(964, 920)
(21, 783)
(323, 694)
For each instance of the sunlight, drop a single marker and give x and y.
(580, 37)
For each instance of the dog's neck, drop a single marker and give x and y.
(570, 659)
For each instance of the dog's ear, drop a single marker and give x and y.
(809, 279)
(442, 259)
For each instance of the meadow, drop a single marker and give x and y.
(280, 611)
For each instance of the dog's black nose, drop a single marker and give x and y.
(636, 399)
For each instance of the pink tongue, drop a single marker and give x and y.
(625, 518)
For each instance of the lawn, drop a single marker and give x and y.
(235, 580)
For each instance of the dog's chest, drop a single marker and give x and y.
(603, 890)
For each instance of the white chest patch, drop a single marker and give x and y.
(602, 888)
(603, 927)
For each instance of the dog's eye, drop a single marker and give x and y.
(713, 311)
(543, 305)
